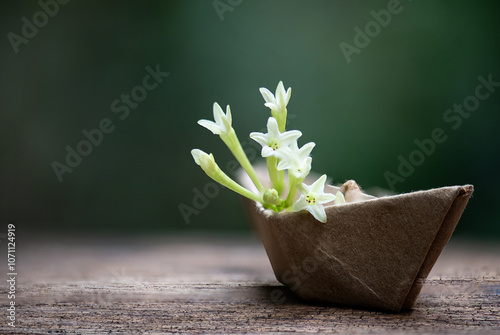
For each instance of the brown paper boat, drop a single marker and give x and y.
(371, 253)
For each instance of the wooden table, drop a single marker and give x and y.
(220, 284)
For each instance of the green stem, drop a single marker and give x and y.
(292, 183)
(273, 207)
(281, 181)
(280, 116)
(232, 185)
(234, 145)
(224, 180)
(272, 167)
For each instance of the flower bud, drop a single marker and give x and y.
(206, 161)
(271, 197)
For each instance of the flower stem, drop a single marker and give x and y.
(234, 145)
(280, 116)
(272, 167)
(232, 185)
(281, 181)
(292, 183)
(207, 163)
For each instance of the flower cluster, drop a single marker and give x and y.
(282, 154)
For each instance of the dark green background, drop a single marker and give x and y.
(361, 115)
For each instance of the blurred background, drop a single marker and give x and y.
(66, 67)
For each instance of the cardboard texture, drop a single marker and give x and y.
(371, 253)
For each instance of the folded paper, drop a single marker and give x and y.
(371, 252)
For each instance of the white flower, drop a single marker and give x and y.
(277, 103)
(222, 123)
(312, 199)
(295, 160)
(280, 100)
(274, 139)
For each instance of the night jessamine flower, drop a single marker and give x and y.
(313, 197)
(277, 103)
(222, 124)
(274, 139)
(295, 160)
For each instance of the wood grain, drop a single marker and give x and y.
(223, 284)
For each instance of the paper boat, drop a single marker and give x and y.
(371, 253)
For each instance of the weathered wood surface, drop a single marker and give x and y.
(180, 284)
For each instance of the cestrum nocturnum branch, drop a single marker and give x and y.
(222, 127)
(282, 154)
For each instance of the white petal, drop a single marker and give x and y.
(325, 198)
(271, 105)
(280, 88)
(319, 185)
(285, 154)
(289, 136)
(218, 114)
(288, 95)
(266, 94)
(300, 204)
(280, 95)
(228, 119)
(318, 211)
(306, 150)
(303, 188)
(339, 199)
(284, 164)
(260, 138)
(306, 167)
(197, 155)
(267, 152)
(294, 146)
(272, 129)
(210, 125)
